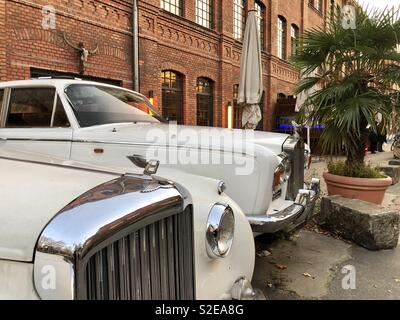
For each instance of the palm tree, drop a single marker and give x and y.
(356, 70)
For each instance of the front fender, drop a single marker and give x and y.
(215, 277)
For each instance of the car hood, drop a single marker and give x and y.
(33, 188)
(180, 135)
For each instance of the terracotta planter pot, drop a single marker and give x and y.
(370, 190)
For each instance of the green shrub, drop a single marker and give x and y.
(359, 170)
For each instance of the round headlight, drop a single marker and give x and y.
(220, 231)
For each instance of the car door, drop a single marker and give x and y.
(34, 120)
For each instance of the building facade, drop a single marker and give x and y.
(189, 50)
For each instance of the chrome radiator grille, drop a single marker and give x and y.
(295, 149)
(154, 262)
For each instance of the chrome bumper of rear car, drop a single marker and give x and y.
(297, 213)
(243, 290)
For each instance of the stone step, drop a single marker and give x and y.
(368, 225)
(394, 162)
(392, 171)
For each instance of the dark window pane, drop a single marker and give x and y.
(60, 117)
(172, 96)
(294, 35)
(31, 107)
(205, 102)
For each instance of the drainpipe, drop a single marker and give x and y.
(135, 41)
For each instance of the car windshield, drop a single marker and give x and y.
(98, 105)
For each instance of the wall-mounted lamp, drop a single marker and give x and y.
(230, 115)
(151, 96)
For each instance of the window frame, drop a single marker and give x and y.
(316, 4)
(239, 25)
(282, 38)
(178, 7)
(180, 119)
(209, 23)
(260, 14)
(294, 29)
(200, 81)
(6, 107)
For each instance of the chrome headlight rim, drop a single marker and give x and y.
(282, 172)
(220, 231)
(285, 166)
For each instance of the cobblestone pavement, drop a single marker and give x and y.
(309, 264)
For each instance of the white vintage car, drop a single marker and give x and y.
(237, 178)
(105, 125)
(77, 231)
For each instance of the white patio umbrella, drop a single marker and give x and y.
(301, 99)
(250, 81)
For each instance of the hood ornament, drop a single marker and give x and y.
(297, 130)
(150, 167)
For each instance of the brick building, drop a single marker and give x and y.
(189, 50)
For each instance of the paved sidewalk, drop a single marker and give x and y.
(309, 264)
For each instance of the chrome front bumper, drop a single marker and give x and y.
(300, 211)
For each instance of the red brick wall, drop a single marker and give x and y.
(2, 40)
(106, 23)
(166, 42)
(178, 43)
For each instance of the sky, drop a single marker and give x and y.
(380, 4)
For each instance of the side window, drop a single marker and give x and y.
(30, 107)
(60, 117)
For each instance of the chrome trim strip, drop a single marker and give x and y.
(92, 222)
(127, 143)
(39, 140)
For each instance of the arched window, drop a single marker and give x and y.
(204, 13)
(294, 35)
(281, 96)
(281, 37)
(172, 96)
(173, 6)
(205, 102)
(260, 9)
(239, 18)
